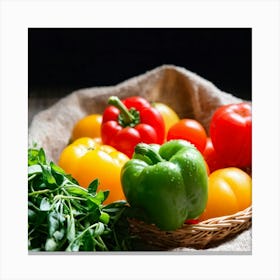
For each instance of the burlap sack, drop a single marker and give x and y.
(190, 95)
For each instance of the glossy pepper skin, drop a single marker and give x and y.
(131, 121)
(87, 159)
(168, 183)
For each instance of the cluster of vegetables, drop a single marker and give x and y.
(138, 160)
(167, 168)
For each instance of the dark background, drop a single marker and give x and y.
(61, 60)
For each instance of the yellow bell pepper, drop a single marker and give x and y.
(88, 126)
(87, 159)
(170, 117)
(229, 191)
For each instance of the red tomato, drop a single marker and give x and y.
(190, 130)
(210, 156)
(231, 134)
(192, 221)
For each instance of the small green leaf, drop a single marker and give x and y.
(60, 217)
(71, 179)
(92, 203)
(50, 245)
(70, 229)
(93, 200)
(34, 169)
(101, 196)
(53, 223)
(32, 156)
(47, 175)
(59, 234)
(87, 240)
(93, 213)
(36, 156)
(41, 218)
(93, 186)
(31, 216)
(45, 204)
(99, 229)
(104, 218)
(57, 168)
(77, 190)
(106, 194)
(42, 156)
(75, 246)
(115, 206)
(57, 173)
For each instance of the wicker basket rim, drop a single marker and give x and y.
(233, 217)
(195, 235)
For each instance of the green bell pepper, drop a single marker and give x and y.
(168, 183)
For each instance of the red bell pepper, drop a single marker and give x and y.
(131, 121)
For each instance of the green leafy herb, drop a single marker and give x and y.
(63, 216)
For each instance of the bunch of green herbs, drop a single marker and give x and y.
(63, 216)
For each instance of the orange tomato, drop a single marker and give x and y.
(190, 130)
(89, 126)
(86, 159)
(229, 191)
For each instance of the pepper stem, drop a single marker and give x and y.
(148, 151)
(127, 116)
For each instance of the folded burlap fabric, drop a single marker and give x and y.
(239, 244)
(190, 95)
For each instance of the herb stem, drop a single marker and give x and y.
(60, 196)
(80, 235)
(39, 192)
(101, 243)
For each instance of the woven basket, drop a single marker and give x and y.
(200, 236)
